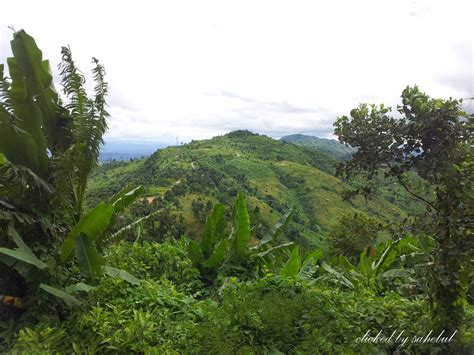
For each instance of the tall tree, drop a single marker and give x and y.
(432, 138)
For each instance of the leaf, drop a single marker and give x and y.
(218, 256)
(3, 159)
(213, 229)
(365, 265)
(23, 256)
(292, 266)
(275, 248)
(393, 273)
(92, 225)
(38, 80)
(66, 297)
(29, 123)
(126, 197)
(241, 235)
(339, 276)
(18, 241)
(120, 274)
(311, 260)
(80, 286)
(132, 225)
(89, 260)
(195, 252)
(277, 228)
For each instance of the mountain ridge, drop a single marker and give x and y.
(331, 146)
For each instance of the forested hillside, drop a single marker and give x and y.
(275, 175)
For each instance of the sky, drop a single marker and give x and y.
(197, 69)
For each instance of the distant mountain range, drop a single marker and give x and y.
(128, 149)
(330, 146)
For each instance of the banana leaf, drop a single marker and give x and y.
(39, 81)
(93, 224)
(241, 227)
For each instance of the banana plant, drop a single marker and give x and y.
(234, 251)
(382, 264)
(48, 147)
(304, 270)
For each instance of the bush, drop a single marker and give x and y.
(288, 316)
(153, 317)
(156, 261)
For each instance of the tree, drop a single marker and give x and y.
(432, 138)
(352, 234)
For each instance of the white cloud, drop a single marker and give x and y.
(195, 69)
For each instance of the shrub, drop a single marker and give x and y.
(278, 315)
(156, 261)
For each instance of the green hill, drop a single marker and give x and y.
(275, 175)
(330, 146)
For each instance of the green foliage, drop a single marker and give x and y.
(353, 234)
(282, 315)
(218, 254)
(156, 261)
(241, 227)
(293, 265)
(433, 139)
(70, 300)
(48, 147)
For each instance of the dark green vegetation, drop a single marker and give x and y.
(328, 146)
(433, 139)
(238, 244)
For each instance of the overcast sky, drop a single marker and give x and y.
(196, 69)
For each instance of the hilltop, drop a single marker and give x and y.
(275, 175)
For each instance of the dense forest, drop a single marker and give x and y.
(239, 244)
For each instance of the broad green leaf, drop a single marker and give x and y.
(3, 159)
(18, 146)
(393, 273)
(241, 233)
(213, 229)
(120, 274)
(23, 256)
(275, 248)
(339, 276)
(218, 256)
(277, 229)
(365, 265)
(18, 241)
(292, 266)
(93, 224)
(38, 80)
(132, 225)
(80, 286)
(66, 297)
(88, 258)
(29, 122)
(195, 252)
(126, 197)
(311, 260)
